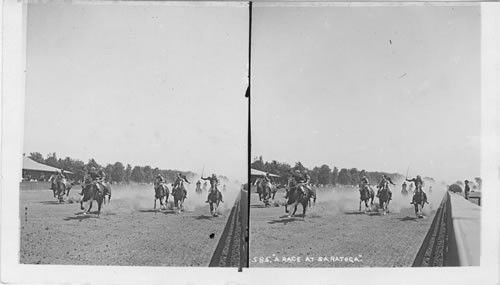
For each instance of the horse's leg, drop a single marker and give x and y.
(360, 205)
(154, 206)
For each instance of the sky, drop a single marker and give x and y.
(389, 88)
(147, 84)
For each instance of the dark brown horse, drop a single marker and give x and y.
(92, 192)
(214, 199)
(179, 196)
(385, 196)
(264, 188)
(63, 187)
(419, 200)
(161, 192)
(366, 194)
(297, 194)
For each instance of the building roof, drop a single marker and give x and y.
(29, 164)
(255, 172)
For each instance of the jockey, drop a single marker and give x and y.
(301, 179)
(178, 182)
(213, 186)
(95, 177)
(383, 182)
(364, 183)
(53, 181)
(158, 180)
(418, 187)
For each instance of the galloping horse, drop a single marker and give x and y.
(366, 194)
(92, 192)
(179, 196)
(161, 192)
(62, 187)
(214, 198)
(385, 197)
(264, 189)
(419, 199)
(296, 196)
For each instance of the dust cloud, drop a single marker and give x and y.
(345, 199)
(140, 197)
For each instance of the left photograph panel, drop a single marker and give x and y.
(135, 138)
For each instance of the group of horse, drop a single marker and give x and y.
(162, 192)
(92, 191)
(297, 194)
(367, 195)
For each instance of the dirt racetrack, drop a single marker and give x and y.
(128, 231)
(335, 234)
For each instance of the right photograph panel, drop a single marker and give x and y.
(365, 135)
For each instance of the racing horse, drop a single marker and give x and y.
(214, 199)
(161, 192)
(92, 191)
(296, 195)
(264, 189)
(179, 196)
(62, 187)
(385, 197)
(419, 199)
(366, 194)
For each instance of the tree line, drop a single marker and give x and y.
(323, 174)
(117, 172)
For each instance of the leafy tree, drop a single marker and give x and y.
(324, 175)
(108, 170)
(299, 166)
(92, 163)
(148, 174)
(335, 174)
(343, 177)
(117, 172)
(137, 174)
(52, 160)
(36, 156)
(128, 173)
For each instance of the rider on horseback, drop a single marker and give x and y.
(198, 186)
(158, 180)
(383, 183)
(95, 176)
(178, 183)
(213, 186)
(301, 179)
(53, 181)
(364, 183)
(418, 188)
